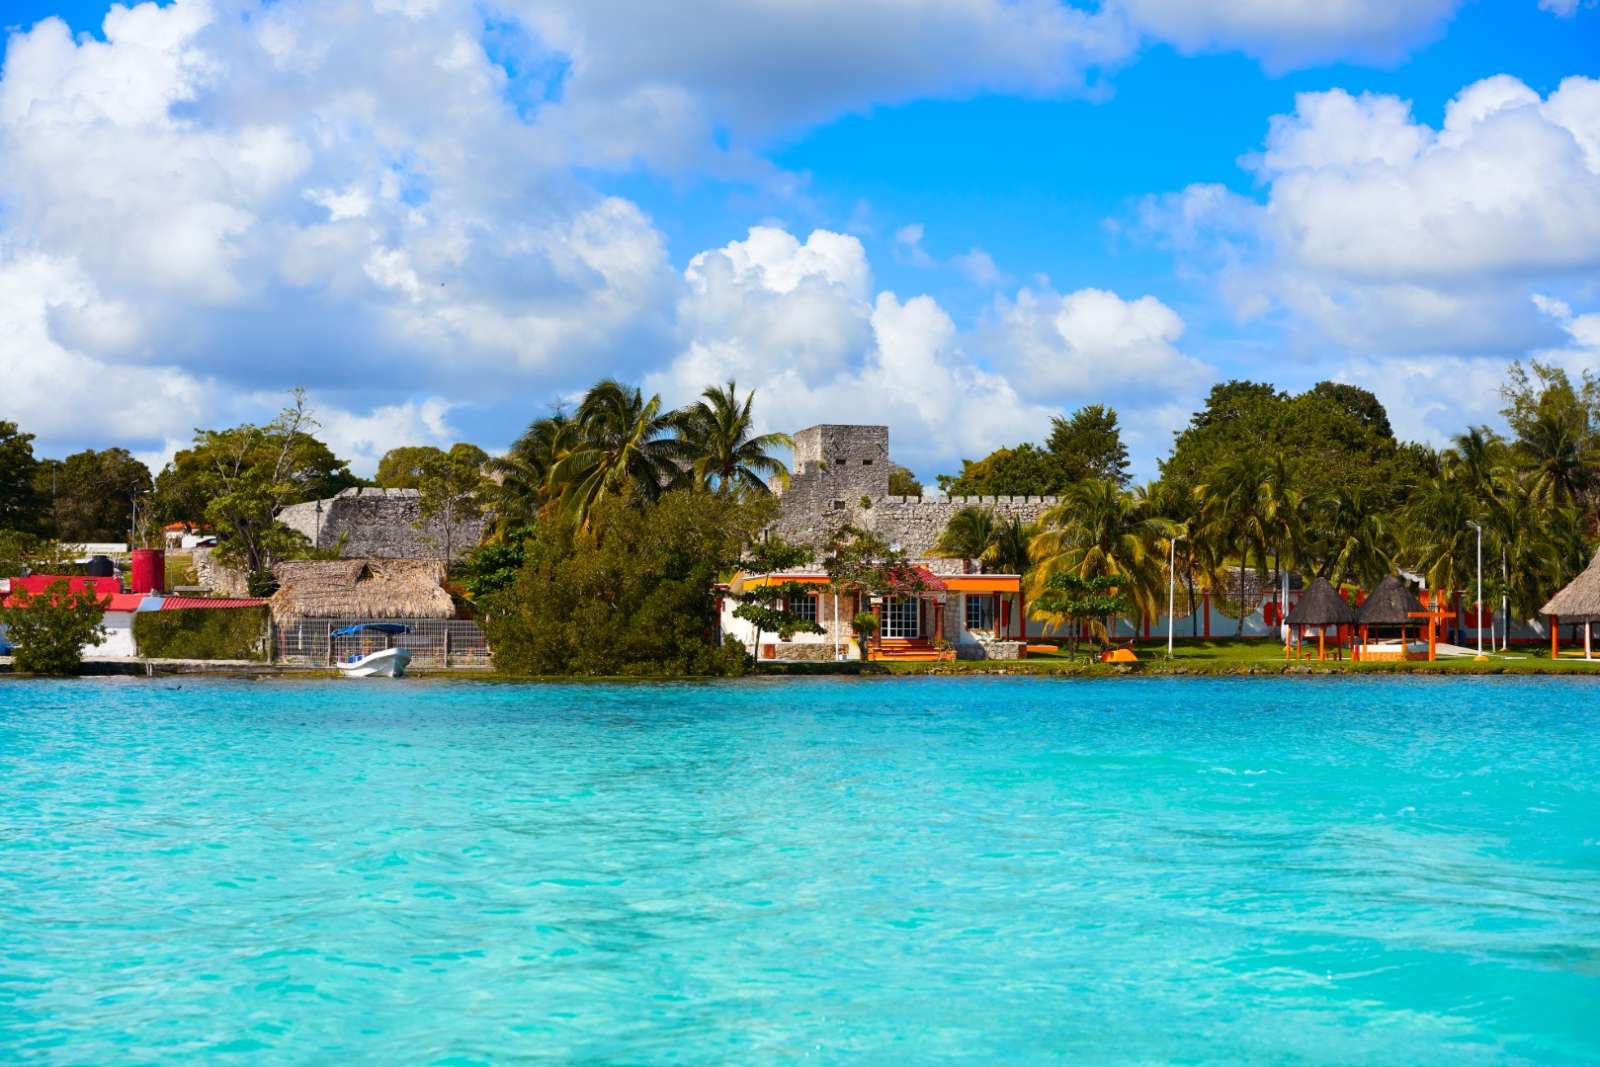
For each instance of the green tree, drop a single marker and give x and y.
(903, 481)
(620, 440)
(768, 608)
(88, 496)
(451, 490)
(1069, 600)
(238, 479)
(1102, 530)
(405, 467)
(1026, 470)
(720, 445)
(50, 629)
(968, 534)
(1088, 445)
(19, 503)
(521, 488)
(630, 594)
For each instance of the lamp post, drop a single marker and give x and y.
(1505, 603)
(1172, 588)
(1478, 608)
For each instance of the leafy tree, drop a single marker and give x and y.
(903, 482)
(493, 565)
(239, 478)
(88, 495)
(521, 487)
(768, 608)
(50, 629)
(1009, 551)
(19, 503)
(1088, 445)
(719, 444)
(619, 440)
(858, 561)
(404, 467)
(1069, 599)
(452, 491)
(1026, 470)
(631, 593)
(22, 553)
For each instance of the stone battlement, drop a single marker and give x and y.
(841, 476)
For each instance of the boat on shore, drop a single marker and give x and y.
(387, 662)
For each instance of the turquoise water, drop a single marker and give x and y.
(895, 871)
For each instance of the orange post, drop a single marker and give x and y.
(1555, 637)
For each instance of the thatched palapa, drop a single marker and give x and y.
(360, 589)
(1580, 600)
(1321, 605)
(1390, 604)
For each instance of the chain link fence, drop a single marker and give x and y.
(434, 644)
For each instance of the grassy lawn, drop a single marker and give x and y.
(1251, 657)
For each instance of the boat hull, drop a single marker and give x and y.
(390, 663)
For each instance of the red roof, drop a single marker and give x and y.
(125, 601)
(34, 584)
(185, 603)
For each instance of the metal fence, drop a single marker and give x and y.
(433, 643)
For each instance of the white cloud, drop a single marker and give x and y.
(1564, 8)
(1389, 235)
(1285, 34)
(797, 321)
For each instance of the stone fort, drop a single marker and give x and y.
(840, 475)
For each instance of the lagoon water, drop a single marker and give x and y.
(868, 871)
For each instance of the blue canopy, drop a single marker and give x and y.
(372, 628)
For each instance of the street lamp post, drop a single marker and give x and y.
(1478, 608)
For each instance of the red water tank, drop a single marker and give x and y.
(149, 573)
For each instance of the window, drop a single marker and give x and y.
(980, 612)
(902, 616)
(803, 606)
(866, 463)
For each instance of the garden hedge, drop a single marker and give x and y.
(202, 633)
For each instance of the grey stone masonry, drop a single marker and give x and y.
(380, 524)
(841, 476)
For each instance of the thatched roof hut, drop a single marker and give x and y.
(360, 589)
(1321, 605)
(1579, 601)
(1390, 604)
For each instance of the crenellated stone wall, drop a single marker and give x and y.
(841, 476)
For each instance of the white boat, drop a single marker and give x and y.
(388, 663)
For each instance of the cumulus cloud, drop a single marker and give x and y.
(1286, 34)
(1389, 235)
(797, 320)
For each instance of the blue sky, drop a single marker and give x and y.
(440, 217)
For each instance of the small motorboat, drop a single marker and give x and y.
(388, 662)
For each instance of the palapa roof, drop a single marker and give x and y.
(1321, 605)
(1580, 600)
(360, 589)
(1390, 604)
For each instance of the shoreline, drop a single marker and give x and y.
(1039, 668)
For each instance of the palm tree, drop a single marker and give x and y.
(1100, 529)
(619, 439)
(1239, 507)
(1355, 542)
(968, 535)
(718, 444)
(1560, 457)
(1008, 551)
(1439, 541)
(522, 475)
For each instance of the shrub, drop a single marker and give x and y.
(202, 633)
(50, 629)
(630, 595)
